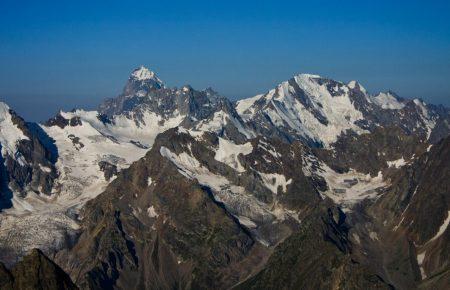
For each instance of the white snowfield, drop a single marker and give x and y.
(40, 221)
(152, 212)
(274, 180)
(420, 258)
(228, 153)
(442, 228)
(78, 165)
(345, 189)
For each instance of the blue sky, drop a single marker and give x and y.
(65, 54)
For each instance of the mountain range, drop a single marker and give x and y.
(315, 184)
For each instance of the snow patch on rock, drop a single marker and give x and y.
(219, 121)
(420, 258)
(152, 212)
(442, 228)
(396, 163)
(274, 180)
(228, 153)
(349, 188)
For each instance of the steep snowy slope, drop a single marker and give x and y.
(10, 135)
(306, 107)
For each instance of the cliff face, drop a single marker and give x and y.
(318, 256)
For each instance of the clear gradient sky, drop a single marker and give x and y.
(65, 54)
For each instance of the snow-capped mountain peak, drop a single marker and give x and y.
(307, 106)
(388, 100)
(142, 73)
(141, 81)
(310, 76)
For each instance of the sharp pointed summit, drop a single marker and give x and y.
(142, 73)
(142, 80)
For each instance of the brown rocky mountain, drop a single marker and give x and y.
(154, 229)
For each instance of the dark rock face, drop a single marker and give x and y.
(62, 122)
(6, 278)
(35, 271)
(318, 256)
(369, 153)
(416, 207)
(109, 169)
(404, 235)
(431, 200)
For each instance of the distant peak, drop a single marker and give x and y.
(388, 100)
(143, 73)
(186, 88)
(354, 84)
(145, 77)
(311, 76)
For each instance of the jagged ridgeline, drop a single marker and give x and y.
(315, 184)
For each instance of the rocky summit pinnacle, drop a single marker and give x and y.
(142, 73)
(142, 80)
